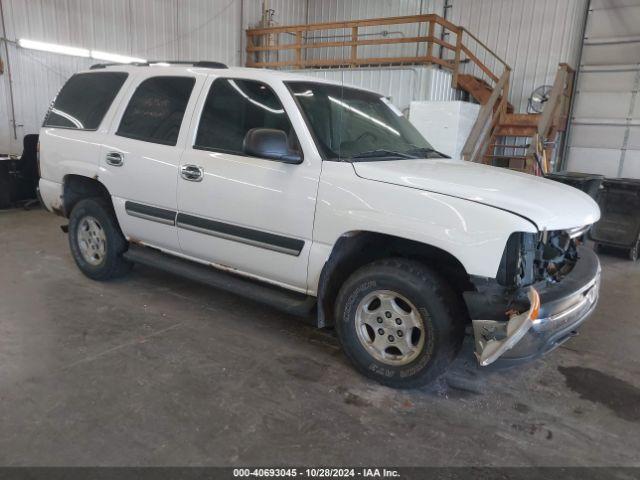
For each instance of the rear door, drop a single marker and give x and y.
(252, 215)
(77, 122)
(140, 159)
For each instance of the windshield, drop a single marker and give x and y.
(357, 125)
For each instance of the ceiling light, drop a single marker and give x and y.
(114, 57)
(54, 48)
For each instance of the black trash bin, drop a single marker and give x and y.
(19, 175)
(619, 225)
(587, 182)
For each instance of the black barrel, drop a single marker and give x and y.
(589, 183)
(619, 225)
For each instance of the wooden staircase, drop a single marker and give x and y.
(519, 141)
(478, 88)
(499, 137)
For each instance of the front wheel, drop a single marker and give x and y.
(399, 322)
(95, 239)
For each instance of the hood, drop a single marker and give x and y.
(549, 204)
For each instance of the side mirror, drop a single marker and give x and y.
(269, 143)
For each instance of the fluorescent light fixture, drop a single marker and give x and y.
(160, 64)
(115, 58)
(78, 52)
(54, 48)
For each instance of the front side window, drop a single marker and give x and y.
(232, 108)
(84, 100)
(356, 125)
(156, 109)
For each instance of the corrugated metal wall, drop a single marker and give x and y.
(533, 36)
(152, 29)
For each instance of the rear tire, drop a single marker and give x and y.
(635, 251)
(399, 322)
(95, 239)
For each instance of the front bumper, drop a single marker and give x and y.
(563, 307)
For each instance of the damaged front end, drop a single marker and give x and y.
(546, 285)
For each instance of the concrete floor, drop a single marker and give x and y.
(156, 370)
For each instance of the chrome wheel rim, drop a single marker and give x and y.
(390, 327)
(92, 241)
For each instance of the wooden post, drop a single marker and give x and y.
(299, 49)
(354, 46)
(505, 94)
(456, 63)
(432, 30)
(251, 57)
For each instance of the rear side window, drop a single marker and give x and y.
(84, 100)
(156, 109)
(233, 107)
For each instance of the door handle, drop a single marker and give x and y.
(116, 159)
(193, 173)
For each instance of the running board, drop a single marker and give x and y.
(284, 300)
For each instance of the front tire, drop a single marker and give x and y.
(95, 239)
(399, 322)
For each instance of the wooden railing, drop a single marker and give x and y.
(554, 114)
(409, 40)
(417, 40)
(488, 119)
(289, 46)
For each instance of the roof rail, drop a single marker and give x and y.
(195, 63)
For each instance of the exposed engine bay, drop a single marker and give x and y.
(547, 256)
(529, 259)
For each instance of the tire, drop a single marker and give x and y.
(404, 286)
(635, 251)
(96, 241)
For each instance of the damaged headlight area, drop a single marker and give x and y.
(504, 310)
(533, 257)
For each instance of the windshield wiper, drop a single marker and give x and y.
(427, 150)
(381, 153)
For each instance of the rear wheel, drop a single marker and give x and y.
(635, 251)
(95, 239)
(399, 322)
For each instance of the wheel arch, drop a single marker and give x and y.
(356, 249)
(78, 187)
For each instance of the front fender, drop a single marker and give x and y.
(473, 233)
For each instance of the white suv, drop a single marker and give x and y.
(322, 200)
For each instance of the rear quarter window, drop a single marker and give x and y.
(84, 100)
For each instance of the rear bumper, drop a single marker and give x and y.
(564, 306)
(50, 194)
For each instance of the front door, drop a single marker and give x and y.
(247, 214)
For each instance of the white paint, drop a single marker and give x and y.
(465, 209)
(529, 196)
